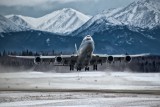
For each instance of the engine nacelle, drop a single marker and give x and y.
(110, 58)
(37, 60)
(128, 59)
(59, 59)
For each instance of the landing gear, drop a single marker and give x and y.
(86, 68)
(71, 67)
(95, 67)
(78, 68)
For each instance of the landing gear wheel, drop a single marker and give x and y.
(78, 68)
(95, 67)
(71, 67)
(86, 68)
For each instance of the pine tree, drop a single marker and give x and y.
(27, 52)
(15, 53)
(4, 53)
(9, 53)
(36, 54)
(23, 53)
(30, 53)
(52, 52)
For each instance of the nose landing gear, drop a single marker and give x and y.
(78, 68)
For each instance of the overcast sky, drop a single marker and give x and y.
(37, 8)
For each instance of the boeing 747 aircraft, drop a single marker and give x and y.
(83, 58)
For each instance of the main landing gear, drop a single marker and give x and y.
(79, 68)
(71, 67)
(95, 67)
(86, 68)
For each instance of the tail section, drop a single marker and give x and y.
(76, 49)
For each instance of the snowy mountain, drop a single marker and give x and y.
(31, 22)
(8, 26)
(19, 20)
(120, 39)
(111, 12)
(97, 23)
(142, 13)
(61, 21)
(125, 29)
(133, 29)
(114, 40)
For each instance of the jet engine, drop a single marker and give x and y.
(59, 59)
(37, 60)
(110, 58)
(128, 58)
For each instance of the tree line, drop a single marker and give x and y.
(28, 53)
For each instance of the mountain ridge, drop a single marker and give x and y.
(128, 29)
(62, 21)
(142, 13)
(8, 26)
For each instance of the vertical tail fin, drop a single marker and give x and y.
(76, 49)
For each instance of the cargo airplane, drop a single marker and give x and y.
(83, 58)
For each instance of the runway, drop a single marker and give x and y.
(85, 89)
(76, 99)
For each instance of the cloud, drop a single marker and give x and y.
(36, 2)
(22, 2)
(38, 8)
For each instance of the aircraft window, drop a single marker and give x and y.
(88, 39)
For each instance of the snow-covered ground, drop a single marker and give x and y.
(80, 80)
(76, 99)
(82, 89)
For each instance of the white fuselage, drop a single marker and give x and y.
(85, 52)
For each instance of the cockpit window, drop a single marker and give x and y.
(88, 38)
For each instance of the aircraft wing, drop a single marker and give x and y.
(22, 57)
(98, 59)
(66, 60)
(33, 57)
(43, 57)
(135, 55)
(60, 59)
(102, 58)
